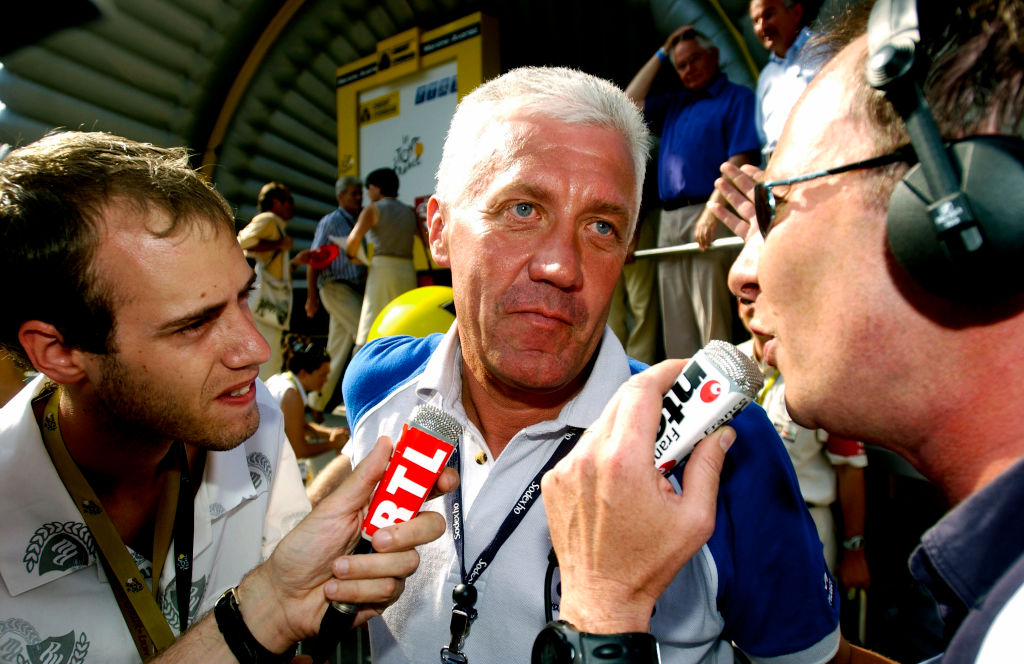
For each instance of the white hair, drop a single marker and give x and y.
(557, 93)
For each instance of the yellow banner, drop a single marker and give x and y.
(381, 108)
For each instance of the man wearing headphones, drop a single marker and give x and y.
(921, 324)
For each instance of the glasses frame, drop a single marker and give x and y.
(764, 199)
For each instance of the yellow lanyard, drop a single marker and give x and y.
(142, 614)
(767, 386)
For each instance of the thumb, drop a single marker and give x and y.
(356, 488)
(703, 472)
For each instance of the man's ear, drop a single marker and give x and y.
(437, 236)
(45, 348)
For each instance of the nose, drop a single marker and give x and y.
(743, 280)
(557, 258)
(244, 346)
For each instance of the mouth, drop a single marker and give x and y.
(542, 315)
(770, 351)
(240, 393)
(756, 328)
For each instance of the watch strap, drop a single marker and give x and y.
(625, 648)
(575, 647)
(855, 543)
(241, 642)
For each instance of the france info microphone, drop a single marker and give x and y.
(426, 442)
(717, 382)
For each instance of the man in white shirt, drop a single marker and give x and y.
(537, 197)
(780, 25)
(147, 425)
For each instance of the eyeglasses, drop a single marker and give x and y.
(764, 199)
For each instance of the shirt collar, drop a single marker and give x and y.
(963, 555)
(441, 381)
(794, 50)
(346, 214)
(718, 83)
(45, 537)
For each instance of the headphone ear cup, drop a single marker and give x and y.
(992, 177)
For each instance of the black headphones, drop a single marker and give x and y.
(956, 220)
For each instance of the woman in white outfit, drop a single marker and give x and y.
(315, 445)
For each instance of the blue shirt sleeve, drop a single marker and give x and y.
(742, 130)
(320, 235)
(655, 111)
(380, 367)
(775, 591)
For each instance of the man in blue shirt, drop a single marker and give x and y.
(709, 121)
(339, 286)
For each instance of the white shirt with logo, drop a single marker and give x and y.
(56, 605)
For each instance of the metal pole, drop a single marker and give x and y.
(690, 248)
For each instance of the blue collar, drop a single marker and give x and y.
(717, 84)
(963, 555)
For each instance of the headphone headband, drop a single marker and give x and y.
(934, 228)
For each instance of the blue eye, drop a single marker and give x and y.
(522, 209)
(604, 228)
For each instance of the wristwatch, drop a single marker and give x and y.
(241, 642)
(560, 643)
(855, 543)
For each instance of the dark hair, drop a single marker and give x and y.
(53, 196)
(973, 58)
(270, 192)
(386, 180)
(303, 354)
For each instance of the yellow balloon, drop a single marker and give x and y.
(417, 313)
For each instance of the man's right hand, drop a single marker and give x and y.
(284, 599)
(737, 186)
(620, 531)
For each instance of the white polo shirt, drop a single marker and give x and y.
(56, 604)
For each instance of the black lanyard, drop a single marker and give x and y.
(147, 624)
(464, 595)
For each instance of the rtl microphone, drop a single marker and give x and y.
(426, 442)
(718, 382)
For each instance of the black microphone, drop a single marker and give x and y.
(426, 442)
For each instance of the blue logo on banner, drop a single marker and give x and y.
(434, 89)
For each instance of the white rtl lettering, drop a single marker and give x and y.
(388, 514)
(433, 464)
(400, 481)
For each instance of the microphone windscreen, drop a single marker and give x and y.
(735, 364)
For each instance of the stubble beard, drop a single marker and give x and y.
(141, 412)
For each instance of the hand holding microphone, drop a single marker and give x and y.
(620, 531)
(426, 442)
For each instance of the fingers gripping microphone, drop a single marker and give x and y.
(718, 382)
(427, 440)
